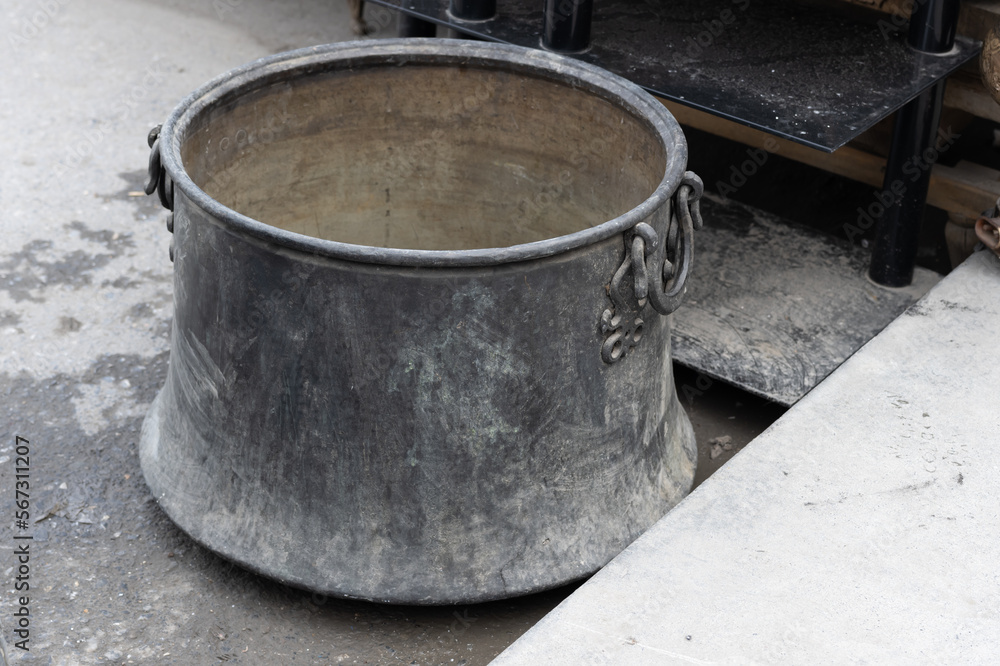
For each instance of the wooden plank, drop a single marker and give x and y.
(846, 161)
(897, 7)
(964, 191)
(967, 189)
(966, 91)
(975, 17)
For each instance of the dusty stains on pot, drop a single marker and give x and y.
(393, 282)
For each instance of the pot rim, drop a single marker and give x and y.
(534, 62)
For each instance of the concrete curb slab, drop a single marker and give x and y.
(862, 527)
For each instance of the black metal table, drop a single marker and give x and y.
(808, 72)
(802, 72)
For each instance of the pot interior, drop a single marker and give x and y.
(423, 156)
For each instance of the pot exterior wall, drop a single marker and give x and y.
(418, 435)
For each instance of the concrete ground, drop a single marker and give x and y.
(861, 528)
(85, 307)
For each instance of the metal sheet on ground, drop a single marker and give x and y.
(774, 307)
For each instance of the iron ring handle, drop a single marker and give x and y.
(988, 232)
(655, 278)
(157, 179)
(644, 243)
(669, 277)
(155, 167)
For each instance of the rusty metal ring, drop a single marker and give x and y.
(668, 295)
(157, 179)
(988, 231)
(155, 170)
(639, 277)
(650, 237)
(153, 135)
(644, 243)
(692, 180)
(166, 190)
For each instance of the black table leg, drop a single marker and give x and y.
(567, 25)
(915, 147)
(411, 26)
(472, 10)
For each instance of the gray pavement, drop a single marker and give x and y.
(85, 308)
(863, 527)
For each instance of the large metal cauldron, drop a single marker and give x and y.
(409, 362)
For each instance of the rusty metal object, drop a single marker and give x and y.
(391, 263)
(960, 238)
(989, 61)
(667, 260)
(988, 231)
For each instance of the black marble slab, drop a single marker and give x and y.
(812, 73)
